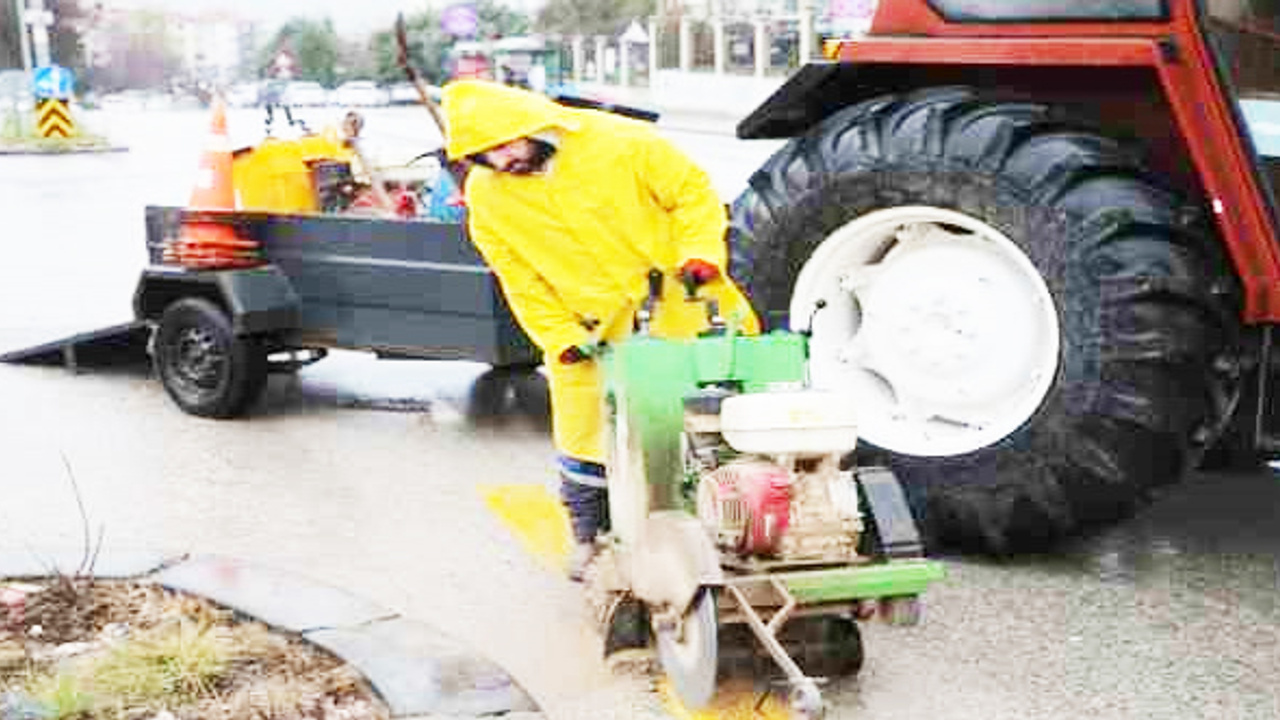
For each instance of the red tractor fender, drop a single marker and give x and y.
(1156, 82)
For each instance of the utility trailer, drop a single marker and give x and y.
(403, 289)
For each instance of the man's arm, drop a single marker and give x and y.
(685, 191)
(551, 325)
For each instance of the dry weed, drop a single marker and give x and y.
(130, 650)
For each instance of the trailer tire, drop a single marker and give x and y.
(203, 365)
(506, 392)
(1143, 372)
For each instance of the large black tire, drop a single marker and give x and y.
(1149, 365)
(203, 365)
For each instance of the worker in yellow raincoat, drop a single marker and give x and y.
(572, 208)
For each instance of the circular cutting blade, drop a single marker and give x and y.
(688, 653)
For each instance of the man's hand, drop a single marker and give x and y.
(698, 272)
(578, 353)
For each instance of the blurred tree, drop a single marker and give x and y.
(64, 35)
(10, 47)
(355, 60)
(429, 43)
(314, 46)
(591, 17)
(497, 20)
(142, 54)
(427, 46)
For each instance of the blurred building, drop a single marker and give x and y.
(193, 47)
(214, 45)
(713, 55)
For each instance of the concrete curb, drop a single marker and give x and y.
(417, 670)
(26, 150)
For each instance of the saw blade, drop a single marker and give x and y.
(688, 653)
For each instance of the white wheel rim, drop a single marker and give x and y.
(937, 325)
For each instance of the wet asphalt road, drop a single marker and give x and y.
(1172, 615)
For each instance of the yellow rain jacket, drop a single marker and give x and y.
(574, 245)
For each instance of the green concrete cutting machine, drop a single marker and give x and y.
(734, 500)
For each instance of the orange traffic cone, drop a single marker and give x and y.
(212, 242)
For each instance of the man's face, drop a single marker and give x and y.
(519, 157)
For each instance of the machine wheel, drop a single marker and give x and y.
(825, 646)
(902, 611)
(806, 701)
(688, 656)
(203, 365)
(1035, 333)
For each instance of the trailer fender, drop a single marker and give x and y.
(257, 300)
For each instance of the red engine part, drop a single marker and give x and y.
(753, 502)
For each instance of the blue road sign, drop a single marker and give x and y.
(460, 20)
(53, 81)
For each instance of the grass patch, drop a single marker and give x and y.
(167, 667)
(175, 663)
(54, 145)
(18, 132)
(121, 651)
(59, 696)
(11, 127)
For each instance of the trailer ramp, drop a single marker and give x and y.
(124, 344)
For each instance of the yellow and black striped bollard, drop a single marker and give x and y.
(53, 118)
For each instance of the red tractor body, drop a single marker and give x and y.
(1103, 143)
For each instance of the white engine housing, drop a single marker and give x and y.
(795, 422)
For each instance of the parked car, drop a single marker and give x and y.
(304, 93)
(360, 93)
(136, 99)
(244, 94)
(403, 93)
(406, 94)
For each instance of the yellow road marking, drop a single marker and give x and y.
(733, 701)
(535, 517)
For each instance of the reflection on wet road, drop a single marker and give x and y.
(1171, 615)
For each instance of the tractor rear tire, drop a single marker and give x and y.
(1140, 358)
(205, 367)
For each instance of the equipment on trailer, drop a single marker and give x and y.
(730, 506)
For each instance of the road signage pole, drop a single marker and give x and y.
(23, 41)
(39, 20)
(53, 87)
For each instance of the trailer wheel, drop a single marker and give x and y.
(1035, 332)
(491, 397)
(203, 365)
(502, 393)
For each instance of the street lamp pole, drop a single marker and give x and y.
(39, 19)
(23, 41)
